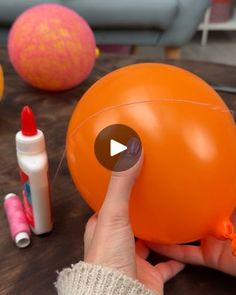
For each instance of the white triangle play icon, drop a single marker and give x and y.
(116, 147)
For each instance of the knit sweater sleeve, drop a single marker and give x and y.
(90, 279)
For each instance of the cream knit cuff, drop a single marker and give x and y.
(90, 279)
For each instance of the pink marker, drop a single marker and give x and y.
(33, 163)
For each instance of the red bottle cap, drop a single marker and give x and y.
(28, 125)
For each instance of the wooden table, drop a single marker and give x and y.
(33, 270)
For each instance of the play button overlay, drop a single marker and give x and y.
(117, 147)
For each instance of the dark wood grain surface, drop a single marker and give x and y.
(33, 270)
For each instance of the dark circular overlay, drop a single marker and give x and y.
(120, 134)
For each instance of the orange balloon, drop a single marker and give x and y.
(187, 186)
(1, 82)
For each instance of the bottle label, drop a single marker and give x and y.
(27, 200)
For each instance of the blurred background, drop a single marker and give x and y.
(190, 29)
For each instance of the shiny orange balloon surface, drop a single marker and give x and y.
(187, 186)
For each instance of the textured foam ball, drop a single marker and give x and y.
(187, 186)
(52, 47)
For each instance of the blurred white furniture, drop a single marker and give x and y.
(206, 26)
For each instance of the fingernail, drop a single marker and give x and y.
(133, 146)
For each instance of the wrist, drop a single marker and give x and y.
(97, 279)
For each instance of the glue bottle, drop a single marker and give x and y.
(33, 164)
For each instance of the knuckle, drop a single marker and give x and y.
(114, 220)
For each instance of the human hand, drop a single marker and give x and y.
(212, 253)
(109, 239)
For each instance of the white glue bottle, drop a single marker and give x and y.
(33, 163)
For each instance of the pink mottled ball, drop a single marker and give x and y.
(52, 47)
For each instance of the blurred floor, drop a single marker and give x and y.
(221, 48)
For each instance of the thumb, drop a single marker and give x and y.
(116, 203)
